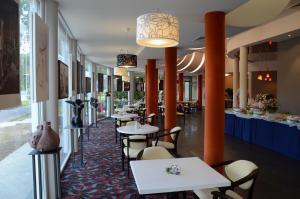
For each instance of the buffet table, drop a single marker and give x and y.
(280, 136)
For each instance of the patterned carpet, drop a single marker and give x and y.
(102, 176)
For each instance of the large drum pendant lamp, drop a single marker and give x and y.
(157, 30)
(126, 61)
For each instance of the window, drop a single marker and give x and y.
(64, 55)
(187, 90)
(15, 123)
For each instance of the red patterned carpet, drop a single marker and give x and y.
(102, 176)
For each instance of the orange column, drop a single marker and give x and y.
(214, 87)
(151, 88)
(170, 88)
(180, 86)
(200, 92)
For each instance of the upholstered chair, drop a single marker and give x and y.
(131, 146)
(154, 152)
(241, 173)
(133, 123)
(171, 146)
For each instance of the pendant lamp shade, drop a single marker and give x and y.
(126, 61)
(157, 30)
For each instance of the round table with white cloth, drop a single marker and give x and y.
(138, 129)
(120, 116)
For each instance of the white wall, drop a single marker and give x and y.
(288, 78)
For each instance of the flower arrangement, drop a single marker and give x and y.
(271, 105)
(264, 102)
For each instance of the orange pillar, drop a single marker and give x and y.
(151, 88)
(180, 86)
(200, 92)
(214, 87)
(170, 88)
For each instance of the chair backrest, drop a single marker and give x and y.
(155, 152)
(131, 123)
(150, 118)
(136, 142)
(240, 169)
(176, 130)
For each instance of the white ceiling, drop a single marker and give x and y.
(100, 26)
(256, 12)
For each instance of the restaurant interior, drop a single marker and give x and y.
(156, 99)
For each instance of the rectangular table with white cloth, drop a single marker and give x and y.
(151, 176)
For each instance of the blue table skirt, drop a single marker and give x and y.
(272, 135)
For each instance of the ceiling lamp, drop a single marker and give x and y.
(259, 76)
(122, 72)
(157, 30)
(126, 61)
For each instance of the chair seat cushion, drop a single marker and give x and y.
(132, 152)
(167, 145)
(205, 193)
(233, 194)
(132, 144)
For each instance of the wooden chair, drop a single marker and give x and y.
(241, 173)
(171, 146)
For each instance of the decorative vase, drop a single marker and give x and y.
(49, 140)
(34, 140)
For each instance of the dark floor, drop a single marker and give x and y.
(278, 176)
(102, 176)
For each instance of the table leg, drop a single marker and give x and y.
(88, 133)
(56, 177)
(72, 144)
(34, 176)
(40, 176)
(116, 133)
(184, 194)
(81, 147)
(58, 165)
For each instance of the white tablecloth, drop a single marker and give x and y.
(141, 130)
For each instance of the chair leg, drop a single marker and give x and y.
(128, 169)
(116, 134)
(122, 160)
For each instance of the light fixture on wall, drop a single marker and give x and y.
(268, 77)
(126, 61)
(157, 30)
(259, 76)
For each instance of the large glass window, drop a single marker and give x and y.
(102, 95)
(64, 55)
(187, 90)
(15, 123)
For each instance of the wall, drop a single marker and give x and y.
(229, 81)
(289, 76)
(259, 86)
